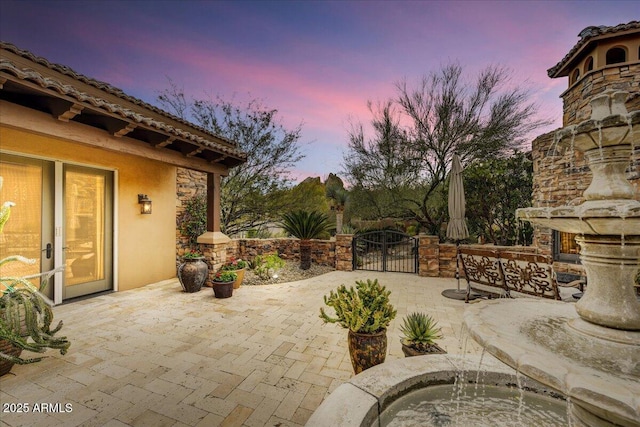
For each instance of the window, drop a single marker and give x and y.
(565, 248)
(588, 64)
(616, 55)
(574, 76)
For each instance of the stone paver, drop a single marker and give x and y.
(156, 356)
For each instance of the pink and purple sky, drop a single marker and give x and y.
(317, 62)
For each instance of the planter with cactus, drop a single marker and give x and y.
(420, 332)
(366, 312)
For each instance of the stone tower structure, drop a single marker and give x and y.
(605, 58)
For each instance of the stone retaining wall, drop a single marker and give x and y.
(434, 259)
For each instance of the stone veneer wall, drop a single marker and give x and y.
(323, 252)
(553, 185)
(188, 184)
(576, 98)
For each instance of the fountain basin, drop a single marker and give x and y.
(361, 400)
(594, 134)
(539, 339)
(594, 217)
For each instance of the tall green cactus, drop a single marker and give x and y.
(365, 309)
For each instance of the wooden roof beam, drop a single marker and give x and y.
(125, 130)
(170, 140)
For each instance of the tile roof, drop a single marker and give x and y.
(227, 146)
(585, 36)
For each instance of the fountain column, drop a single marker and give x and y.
(589, 351)
(611, 265)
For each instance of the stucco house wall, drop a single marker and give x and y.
(142, 240)
(56, 117)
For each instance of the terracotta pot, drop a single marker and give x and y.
(222, 289)
(367, 350)
(410, 351)
(239, 279)
(7, 348)
(192, 273)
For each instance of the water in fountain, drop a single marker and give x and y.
(445, 405)
(588, 351)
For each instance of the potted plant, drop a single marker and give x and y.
(366, 312)
(420, 332)
(222, 283)
(305, 226)
(238, 266)
(25, 313)
(193, 271)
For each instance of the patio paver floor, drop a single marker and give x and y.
(156, 356)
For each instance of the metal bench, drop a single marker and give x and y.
(514, 274)
(483, 273)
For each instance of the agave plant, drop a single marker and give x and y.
(305, 226)
(420, 331)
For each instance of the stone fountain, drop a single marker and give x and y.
(588, 351)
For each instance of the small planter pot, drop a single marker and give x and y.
(410, 351)
(367, 350)
(222, 289)
(239, 279)
(192, 274)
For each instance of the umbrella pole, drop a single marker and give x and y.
(458, 263)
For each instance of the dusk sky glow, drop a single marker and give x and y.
(317, 62)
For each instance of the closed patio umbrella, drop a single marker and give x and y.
(457, 227)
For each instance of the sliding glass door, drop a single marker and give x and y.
(88, 237)
(63, 216)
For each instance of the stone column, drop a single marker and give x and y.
(214, 243)
(428, 256)
(344, 252)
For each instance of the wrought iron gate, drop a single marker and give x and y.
(385, 250)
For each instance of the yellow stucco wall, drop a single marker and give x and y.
(145, 243)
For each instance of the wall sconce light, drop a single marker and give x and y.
(145, 204)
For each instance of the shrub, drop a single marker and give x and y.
(265, 266)
(193, 221)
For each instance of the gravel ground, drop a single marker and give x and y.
(291, 272)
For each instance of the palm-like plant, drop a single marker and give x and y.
(305, 226)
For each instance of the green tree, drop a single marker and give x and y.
(307, 195)
(494, 189)
(250, 194)
(338, 196)
(400, 171)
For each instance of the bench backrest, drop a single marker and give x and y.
(482, 266)
(529, 275)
